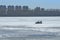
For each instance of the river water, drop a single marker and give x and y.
(24, 28)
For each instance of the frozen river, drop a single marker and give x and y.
(24, 28)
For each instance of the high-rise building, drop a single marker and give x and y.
(25, 8)
(2, 10)
(10, 10)
(18, 10)
(17, 7)
(37, 9)
(42, 9)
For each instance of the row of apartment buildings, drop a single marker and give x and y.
(25, 11)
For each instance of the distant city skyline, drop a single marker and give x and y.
(48, 4)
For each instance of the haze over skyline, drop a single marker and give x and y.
(54, 4)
